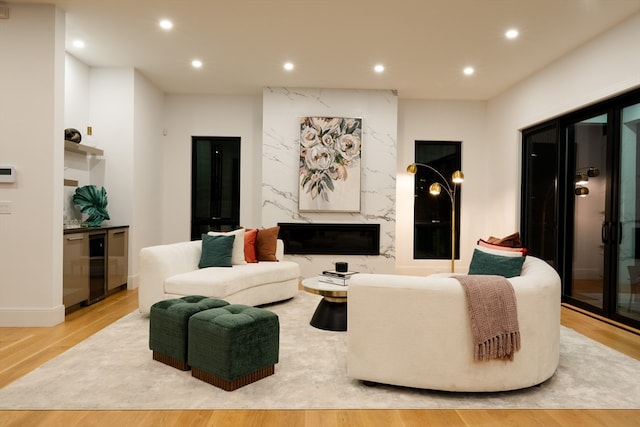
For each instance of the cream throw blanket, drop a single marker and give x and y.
(491, 302)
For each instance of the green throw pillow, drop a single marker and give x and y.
(486, 263)
(217, 251)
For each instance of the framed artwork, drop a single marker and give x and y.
(330, 153)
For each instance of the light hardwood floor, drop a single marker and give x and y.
(24, 349)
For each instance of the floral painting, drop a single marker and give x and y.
(330, 149)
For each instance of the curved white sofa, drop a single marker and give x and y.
(414, 331)
(171, 271)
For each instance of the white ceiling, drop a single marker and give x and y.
(424, 44)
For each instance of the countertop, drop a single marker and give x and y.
(77, 229)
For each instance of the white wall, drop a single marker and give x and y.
(125, 111)
(193, 115)
(31, 139)
(490, 133)
(491, 150)
(77, 166)
(443, 121)
(76, 94)
(246, 117)
(282, 110)
(112, 118)
(148, 177)
(604, 67)
(102, 98)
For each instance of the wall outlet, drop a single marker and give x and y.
(5, 207)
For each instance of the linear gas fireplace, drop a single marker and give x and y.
(330, 239)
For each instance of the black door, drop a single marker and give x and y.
(215, 184)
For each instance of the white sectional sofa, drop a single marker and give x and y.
(171, 271)
(415, 331)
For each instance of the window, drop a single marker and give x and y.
(432, 214)
(215, 184)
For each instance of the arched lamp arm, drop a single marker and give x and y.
(451, 192)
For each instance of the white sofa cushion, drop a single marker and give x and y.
(219, 282)
(237, 257)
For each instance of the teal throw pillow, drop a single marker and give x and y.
(486, 263)
(217, 251)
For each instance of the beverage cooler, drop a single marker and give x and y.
(97, 260)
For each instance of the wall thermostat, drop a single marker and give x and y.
(7, 173)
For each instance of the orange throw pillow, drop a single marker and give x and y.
(266, 242)
(250, 245)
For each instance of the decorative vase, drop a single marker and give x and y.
(92, 201)
(73, 135)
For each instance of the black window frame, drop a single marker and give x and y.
(432, 214)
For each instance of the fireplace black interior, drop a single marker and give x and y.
(330, 239)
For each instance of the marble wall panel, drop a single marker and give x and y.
(282, 110)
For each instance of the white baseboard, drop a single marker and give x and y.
(31, 317)
(132, 282)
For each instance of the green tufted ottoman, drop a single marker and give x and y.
(232, 346)
(169, 327)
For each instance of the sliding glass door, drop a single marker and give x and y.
(541, 193)
(580, 204)
(628, 239)
(589, 225)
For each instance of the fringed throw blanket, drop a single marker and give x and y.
(491, 302)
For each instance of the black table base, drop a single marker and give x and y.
(330, 316)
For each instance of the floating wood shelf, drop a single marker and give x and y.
(70, 183)
(82, 149)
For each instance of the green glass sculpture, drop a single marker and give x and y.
(92, 201)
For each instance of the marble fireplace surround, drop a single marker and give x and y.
(282, 109)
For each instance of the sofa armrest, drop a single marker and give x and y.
(157, 263)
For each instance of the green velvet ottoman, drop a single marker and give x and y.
(169, 327)
(232, 346)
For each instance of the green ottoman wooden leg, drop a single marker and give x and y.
(234, 345)
(169, 327)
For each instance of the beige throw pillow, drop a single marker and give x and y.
(237, 257)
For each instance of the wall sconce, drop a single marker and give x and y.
(435, 189)
(582, 178)
(581, 191)
(583, 174)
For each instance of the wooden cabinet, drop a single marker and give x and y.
(95, 264)
(75, 270)
(117, 258)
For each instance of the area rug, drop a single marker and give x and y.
(114, 369)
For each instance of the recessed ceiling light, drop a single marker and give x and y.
(196, 63)
(378, 68)
(468, 71)
(78, 43)
(511, 34)
(288, 66)
(165, 24)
